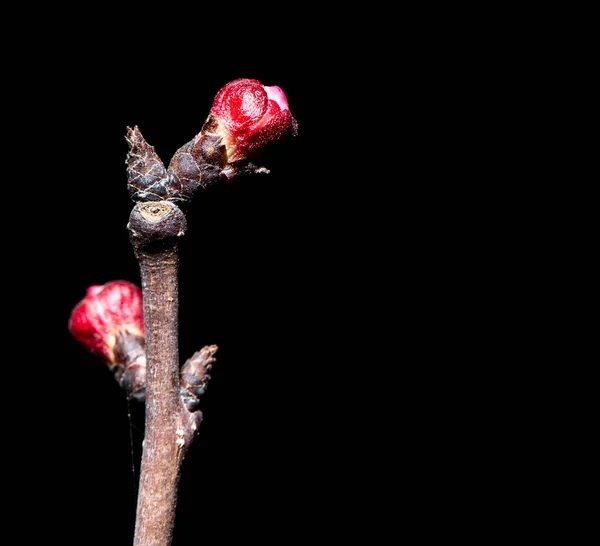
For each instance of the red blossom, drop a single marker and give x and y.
(251, 117)
(106, 311)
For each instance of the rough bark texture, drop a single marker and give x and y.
(154, 232)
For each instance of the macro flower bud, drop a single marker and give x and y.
(194, 376)
(246, 118)
(250, 117)
(109, 323)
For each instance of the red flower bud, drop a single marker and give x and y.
(107, 315)
(250, 117)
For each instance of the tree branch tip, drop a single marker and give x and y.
(156, 225)
(212, 349)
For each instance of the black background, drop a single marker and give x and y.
(328, 284)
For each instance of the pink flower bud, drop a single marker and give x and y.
(250, 117)
(106, 315)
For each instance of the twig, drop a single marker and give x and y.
(245, 119)
(155, 229)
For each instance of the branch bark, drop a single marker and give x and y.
(155, 229)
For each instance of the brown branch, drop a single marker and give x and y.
(155, 229)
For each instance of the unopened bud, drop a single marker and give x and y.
(251, 117)
(246, 118)
(109, 323)
(194, 376)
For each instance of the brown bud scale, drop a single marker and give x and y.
(196, 165)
